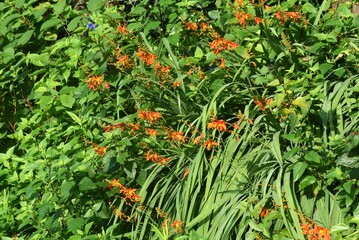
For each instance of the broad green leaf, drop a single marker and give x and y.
(59, 6)
(67, 100)
(94, 5)
(307, 181)
(325, 67)
(75, 224)
(25, 37)
(50, 23)
(298, 170)
(300, 102)
(66, 188)
(313, 157)
(86, 184)
(309, 8)
(198, 53)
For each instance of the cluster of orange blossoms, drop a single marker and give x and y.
(220, 125)
(122, 29)
(191, 26)
(263, 103)
(155, 158)
(113, 127)
(149, 116)
(129, 193)
(209, 144)
(220, 44)
(313, 231)
(99, 150)
(95, 82)
(152, 132)
(177, 136)
(174, 224)
(123, 60)
(147, 58)
(284, 16)
(122, 215)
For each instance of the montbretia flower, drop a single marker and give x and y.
(177, 136)
(220, 125)
(151, 132)
(191, 26)
(147, 58)
(209, 144)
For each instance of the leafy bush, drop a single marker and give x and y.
(179, 120)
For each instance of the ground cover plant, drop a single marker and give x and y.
(179, 120)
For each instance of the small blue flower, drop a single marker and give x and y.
(91, 26)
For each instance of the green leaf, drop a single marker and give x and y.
(301, 102)
(150, 26)
(198, 53)
(25, 37)
(73, 23)
(74, 117)
(309, 8)
(94, 5)
(312, 157)
(66, 188)
(325, 67)
(348, 161)
(307, 181)
(86, 184)
(299, 169)
(8, 54)
(50, 23)
(339, 228)
(59, 7)
(75, 224)
(67, 100)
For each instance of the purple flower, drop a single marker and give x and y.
(91, 26)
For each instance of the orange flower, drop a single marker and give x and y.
(177, 225)
(130, 194)
(134, 127)
(280, 17)
(151, 132)
(191, 26)
(114, 183)
(258, 20)
(293, 15)
(186, 172)
(220, 44)
(264, 212)
(242, 18)
(100, 150)
(123, 60)
(220, 125)
(151, 156)
(147, 58)
(149, 116)
(163, 160)
(313, 231)
(197, 139)
(106, 85)
(262, 103)
(176, 84)
(153, 116)
(204, 26)
(223, 63)
(122, 29)
(209, 144)
(177, 136)
(94, 82)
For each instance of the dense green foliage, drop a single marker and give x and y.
(179, 120)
